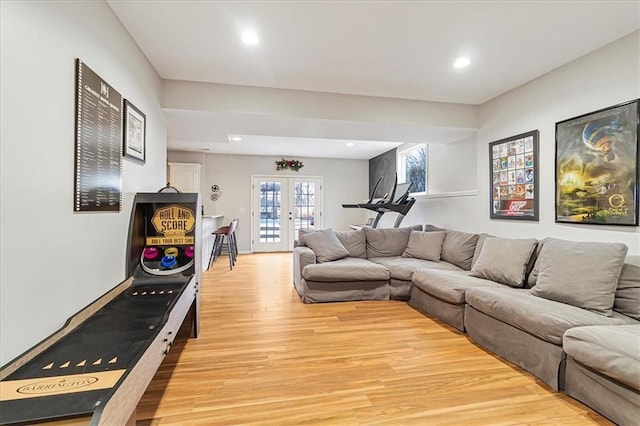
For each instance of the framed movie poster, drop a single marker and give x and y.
(134, 132)
(514, 177)
(597, 167)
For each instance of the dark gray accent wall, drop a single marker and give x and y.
(382, 165)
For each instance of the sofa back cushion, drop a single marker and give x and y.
(476, 253)
(582, 274)
(458, 247)
(425, 245)
(504, 260)
(385, 242)
(627, 297)
(354, 241)
(325, 245)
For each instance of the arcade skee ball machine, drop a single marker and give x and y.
(95, 369)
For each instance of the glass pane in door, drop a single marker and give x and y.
(270, 202)
(304, 206)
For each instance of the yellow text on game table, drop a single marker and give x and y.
(165, 241)
(173, 218)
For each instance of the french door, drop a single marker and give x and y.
(280, 207)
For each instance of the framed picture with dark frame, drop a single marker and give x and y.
(135, 124)
(513, 165)
(596, 167)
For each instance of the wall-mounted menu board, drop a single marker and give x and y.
(98, 161)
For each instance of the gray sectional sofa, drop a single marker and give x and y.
(603, 370)
(567, 312)
(371, 264)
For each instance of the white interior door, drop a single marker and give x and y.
(281, 206)
(185, 176)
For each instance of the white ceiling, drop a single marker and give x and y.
(397, 49)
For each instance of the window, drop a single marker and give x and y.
(412, 168)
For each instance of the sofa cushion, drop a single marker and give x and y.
(384, 242)
(627, 298)
(476, 253)
(582, 274)
(345, 270)
(424, 245)
(613, 351)
(325, 244)
(354, 241)
(302, 231)
(449, 286)
(504, 260)
(546, 319)
(458, 248)
(402, 268)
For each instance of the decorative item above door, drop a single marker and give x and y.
(294, 165)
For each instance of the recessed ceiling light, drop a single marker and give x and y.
(461, 62)
(350, 144)
(235, 138)
(250, 38)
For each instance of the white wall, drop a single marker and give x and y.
(605, 77)
(345, 181)
(452, 166)
(55, 261)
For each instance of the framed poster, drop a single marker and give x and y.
(597, 167)
(514, 177)
(135, 125)
(98, 143)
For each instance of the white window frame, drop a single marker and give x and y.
(401, 162)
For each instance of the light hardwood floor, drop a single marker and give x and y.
(264, 357)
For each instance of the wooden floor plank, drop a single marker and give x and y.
(265, 358)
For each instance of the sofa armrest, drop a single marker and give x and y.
(302, 256)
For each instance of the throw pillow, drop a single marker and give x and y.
(385, 242)
(424, 245)
(627, 298)
(458, 248)
(476, 253)
(354, 241)
(301, 232)
(582, 274)
(504, 260)
(325, 245)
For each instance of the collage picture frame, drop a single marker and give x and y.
(514, 177)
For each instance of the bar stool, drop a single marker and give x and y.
(223, 233)
(232, 243)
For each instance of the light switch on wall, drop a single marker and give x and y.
(241, 209)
